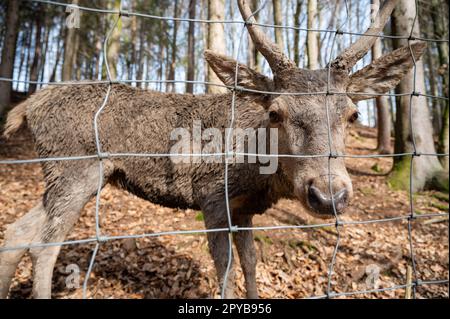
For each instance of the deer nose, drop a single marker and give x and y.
(323, 203)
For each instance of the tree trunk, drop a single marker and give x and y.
(75, 57)
(134, 30)
(383, 114)
(425, 168)
(278, 20)
(319, 26)
(8, 54)
(140, 60)
(59, 51)
(383, 125)
(163, 52)
(98, 54)
(298, 10)
(173, 61)
(287, 31)
(443, 138)
(190, 74)
(45, 49)
(28, 58)
(313, 63)
(113, 48)
(167, 64)
(23, 45)
(57, 59)
(34, 73)
(253, 56)
(216, 40)
(435, 105)
(69, 51)
(440, 32)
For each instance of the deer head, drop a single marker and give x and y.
(302, 119)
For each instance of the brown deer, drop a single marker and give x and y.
(134, 120)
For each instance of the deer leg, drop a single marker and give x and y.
(219, 248)
(64, 201)
(18, 234)
(218, 245)
(247, 255)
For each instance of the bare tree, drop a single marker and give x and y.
(439, 29)
(114, 43)
(312, 45)
(140, 57)
(190, 75)
(69, 51)
(253, 56)
(173, 58)
(134, 55)
(34, 73)
(23, 45)
(433, 77)
(287, 13)
(278, 20)
(443, 138)
(426, 168)
(59, 49)
(98, 54)
(216, 40)
(46, 44)
(382, 103)
(8, 53)
(298, 10)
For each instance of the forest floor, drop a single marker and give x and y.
(291, 263)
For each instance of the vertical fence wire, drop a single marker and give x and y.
(228, 147)
(331, 154)
(99, 151)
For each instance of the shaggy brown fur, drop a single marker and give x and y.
(16, 118)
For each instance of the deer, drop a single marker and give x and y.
(137, 120)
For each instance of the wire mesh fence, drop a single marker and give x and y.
(99, 238)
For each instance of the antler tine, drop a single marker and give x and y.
(347, 59)
(274, 55)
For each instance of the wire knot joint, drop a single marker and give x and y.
(124, 13)
(102, 239)
(233, 229)
(102, 155)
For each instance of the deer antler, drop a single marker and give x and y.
(274, 55)
(347, 59)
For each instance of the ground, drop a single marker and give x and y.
(291, 263)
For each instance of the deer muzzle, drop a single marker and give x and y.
(322, 203)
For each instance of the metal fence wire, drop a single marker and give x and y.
(99, 238)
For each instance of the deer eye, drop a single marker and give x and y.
(274, 117)
(354, 117)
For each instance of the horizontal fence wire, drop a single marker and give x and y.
(235, 228)
(235, 89)
(231, 88)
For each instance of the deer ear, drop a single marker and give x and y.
(225, 68)
(384, 73)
